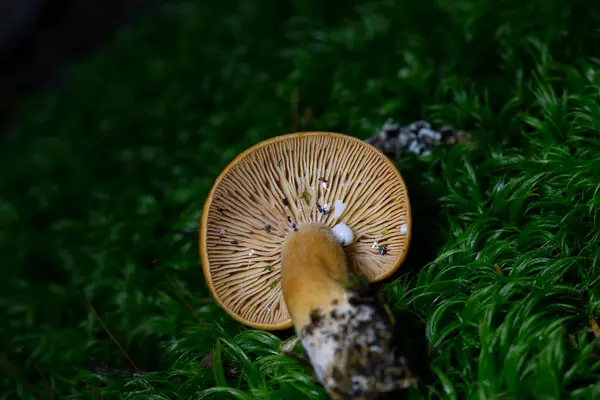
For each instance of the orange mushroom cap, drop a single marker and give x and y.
(279, 184)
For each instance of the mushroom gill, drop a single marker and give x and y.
(272, 188)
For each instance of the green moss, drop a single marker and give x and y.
(108, 174)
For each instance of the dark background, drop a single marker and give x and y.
(39, 37)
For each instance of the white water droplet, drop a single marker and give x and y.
(404, 228)
(338, 208)
(343, 234)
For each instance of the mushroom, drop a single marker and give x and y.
(286, 227)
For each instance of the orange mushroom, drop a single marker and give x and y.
(286, 226)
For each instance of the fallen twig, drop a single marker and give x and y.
(94, 392)
(498, 270)
(91, 307)
(14, 371)
(178, 290)
(595, 328)
(295, 114)
(41, 373)
(114, 372)
(307, 116)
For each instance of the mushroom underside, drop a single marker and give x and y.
(278, 185)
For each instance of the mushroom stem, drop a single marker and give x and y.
(347, 334)
(314, 272)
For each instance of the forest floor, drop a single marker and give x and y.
(108, 174)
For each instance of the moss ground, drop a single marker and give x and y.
(110, 173)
